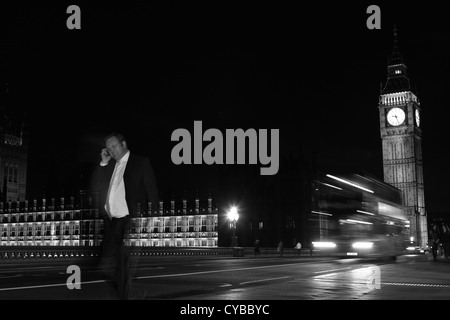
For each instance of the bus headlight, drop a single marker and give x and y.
(324, 244)
(362, 245)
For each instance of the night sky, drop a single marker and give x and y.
(313, 71)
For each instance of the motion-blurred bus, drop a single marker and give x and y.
(357, 216)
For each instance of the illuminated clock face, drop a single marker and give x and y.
(396, 116)
(418, 117)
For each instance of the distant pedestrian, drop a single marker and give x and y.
(257, 251)
(435, 241)
(445, 241)
(298, 247)
(280, 248)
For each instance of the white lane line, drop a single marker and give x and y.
(416, 284)
(403, 284)
(33, 268)
(332, 270)
(215, 271)
(15, 276)
(49, 285)
(262, 280)
(333, 273)
(225, 285)
(326, 275)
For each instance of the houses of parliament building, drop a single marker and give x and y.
(61, 223)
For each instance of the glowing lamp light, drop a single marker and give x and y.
(233, 214)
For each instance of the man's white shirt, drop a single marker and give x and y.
(116, 205)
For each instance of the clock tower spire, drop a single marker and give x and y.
(397, 78)
(401, 136)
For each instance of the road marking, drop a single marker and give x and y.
(332, 270)
(49, 285)
(416, 284)
(52, 267)
(214, 271)
(156, 276)
(16, 276)
(368, 268)
(326, 275)
(32, 268)
(225, 285)
(262, 280)
(403, 284)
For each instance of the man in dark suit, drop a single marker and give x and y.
(124, 181)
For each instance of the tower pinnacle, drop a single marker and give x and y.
(396, 56)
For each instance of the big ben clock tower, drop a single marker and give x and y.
(401, 135)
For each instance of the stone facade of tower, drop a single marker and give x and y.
(13, 156)
(401, 136)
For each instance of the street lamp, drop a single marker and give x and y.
(233, 217)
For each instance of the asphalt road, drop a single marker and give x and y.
(414, 277)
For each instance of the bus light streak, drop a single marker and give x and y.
(360, 211)
(357, 221)
(324, 213)
(349, 183)
(331, 186)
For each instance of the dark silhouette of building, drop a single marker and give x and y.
(13, 151)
